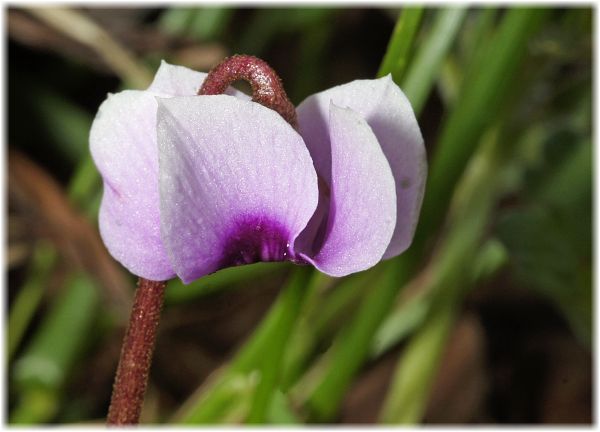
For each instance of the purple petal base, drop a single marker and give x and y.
(256, 238)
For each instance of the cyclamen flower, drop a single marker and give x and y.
(193, 184)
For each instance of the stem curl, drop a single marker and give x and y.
(267, 88)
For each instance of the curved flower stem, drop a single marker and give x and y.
(136, 354)
(267, 88)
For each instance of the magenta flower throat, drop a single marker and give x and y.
(195, 183)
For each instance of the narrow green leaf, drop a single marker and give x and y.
(572, 182)
(203, 23)
(431, 53)
(211, 404)
(452, 274)
(478, 38)
(272, 357)
(399, 324)
(216, 400)
(449, 82)
(30, 295)
(176, 20)
(409, 315)
(400, 44)
(352, 347)
(549, 253)
(85, 183)
(36, 406)
(61, 335)
(480, 104)
(266, 24)
(178, 292)
(458, 267)
(404, 403)
(491, 257)
(208, 23)
(67, 125)
(321, 316)
(280, 412)
(42, 371)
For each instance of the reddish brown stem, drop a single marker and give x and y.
(266, 85)
(136, 354)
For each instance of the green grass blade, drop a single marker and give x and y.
(176, 20)
(208, 23)
(321, 320)
(458, 141)
(85, 183)
(280, 412)
(405, 403)
(178, 292)
(479, 36)
(427, 62)
(30, 295)
(60, 337)
(403, 321)
(452, 274)
(37, 405)
(480, 104)
(199, 23)
(352, 347)
(400, 44)
(292, 298)
(411, 314)
(66, 124)
(266, 25)
(45, 365)
(213, 403)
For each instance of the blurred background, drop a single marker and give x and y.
(487, 319)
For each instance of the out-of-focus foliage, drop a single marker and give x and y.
(200, 23)
(501, 261)
(548, 235)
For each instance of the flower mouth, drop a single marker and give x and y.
(253, 239)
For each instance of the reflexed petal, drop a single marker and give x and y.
(171, 80)
(236, 183)
(362, 211)
(123, 145)
(389, 114)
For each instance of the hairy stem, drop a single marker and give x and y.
(136, 354)
(267, 88)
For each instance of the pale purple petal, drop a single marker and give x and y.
(123, 145)
(389, 114)
(171, 80)
(362, 212)
(236, 183)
